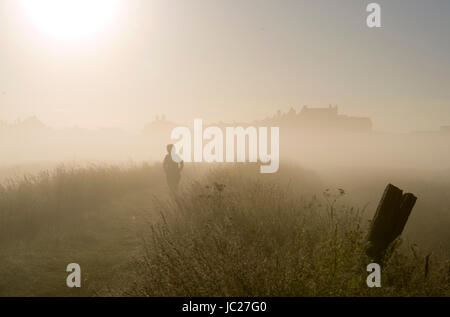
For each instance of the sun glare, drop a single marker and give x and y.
(70, 20)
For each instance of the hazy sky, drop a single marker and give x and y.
(230, 60)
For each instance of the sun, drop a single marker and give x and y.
(70, 20)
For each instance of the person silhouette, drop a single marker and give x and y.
(173, 165)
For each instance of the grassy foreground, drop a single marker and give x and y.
(229, 232)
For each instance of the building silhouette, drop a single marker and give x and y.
(328, 119)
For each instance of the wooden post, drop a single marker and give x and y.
(389, 220)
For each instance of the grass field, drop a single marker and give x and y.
(230, 231)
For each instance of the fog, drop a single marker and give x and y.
(310, 143)
(91, 93)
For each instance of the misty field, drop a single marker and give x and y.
(230, 231)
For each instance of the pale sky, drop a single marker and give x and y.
(227, 60)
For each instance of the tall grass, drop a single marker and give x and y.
(250, 237)
(54, 201)
(230, 231)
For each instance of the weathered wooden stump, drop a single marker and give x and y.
(389, 220)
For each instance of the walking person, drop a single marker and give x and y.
(173, 165)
